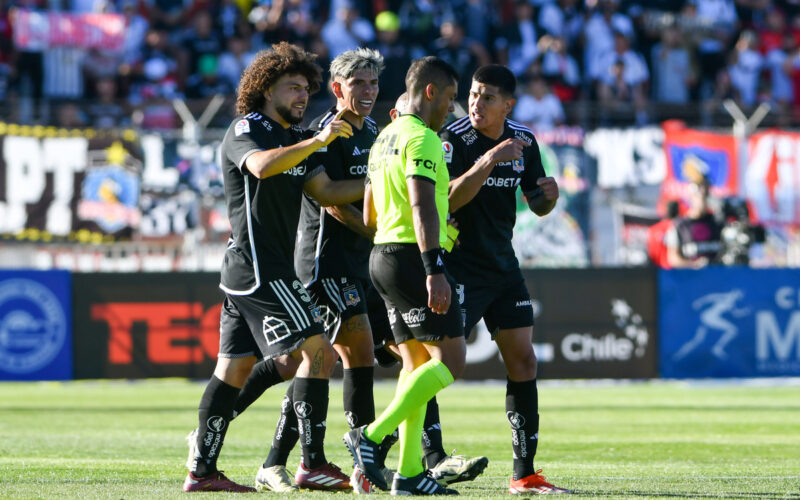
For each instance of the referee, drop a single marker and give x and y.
(267, 312)
(407, 198)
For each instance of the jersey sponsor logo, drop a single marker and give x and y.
(469, 137)
(32, 326)
(242, 127)
(414, 317)
(428, 164)
(519, 134)
(502, 182)
(358, 170)
(296, 171)
(447, 147)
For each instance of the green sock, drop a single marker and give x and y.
(410, 463)
(419, 386)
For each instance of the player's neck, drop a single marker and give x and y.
(271, 113)
(353, 119)
(494, 131)
(421, 111)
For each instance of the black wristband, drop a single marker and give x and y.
(433, 260)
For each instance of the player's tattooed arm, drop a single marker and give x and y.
(352, 218)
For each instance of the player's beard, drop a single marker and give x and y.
(285, 112)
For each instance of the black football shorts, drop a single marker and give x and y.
(399, 277)
(338, 299)
(501, 305)
(272, 321)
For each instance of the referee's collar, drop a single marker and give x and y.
(414, 116)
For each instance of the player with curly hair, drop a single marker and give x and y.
(267, 312)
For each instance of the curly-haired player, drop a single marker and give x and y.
(267, 312)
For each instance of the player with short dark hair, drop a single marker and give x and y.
(267, 312)
(489, 157)
(406, 200)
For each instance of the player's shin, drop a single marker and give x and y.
(522, 411)
(214, 415)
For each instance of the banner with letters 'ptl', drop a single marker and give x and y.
(729, 322)
(35, 325)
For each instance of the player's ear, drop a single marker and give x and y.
(509, 105)
(430, 91)
(336, 88)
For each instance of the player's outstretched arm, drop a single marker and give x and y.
(275, 161)
(463, 188)
(422, 197)
(328, 192)
(352, 218)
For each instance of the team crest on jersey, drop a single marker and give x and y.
(517, 165)
(351, 297)
(447, 147)
(242, 127)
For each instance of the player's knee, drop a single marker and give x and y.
(521, 367)
(234, 371)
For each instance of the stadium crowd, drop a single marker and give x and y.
(625, 55)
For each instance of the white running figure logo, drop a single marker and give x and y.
(716, 305)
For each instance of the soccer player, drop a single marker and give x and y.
(489, 157)
(407, 201)
(267, 312)
(332, 258)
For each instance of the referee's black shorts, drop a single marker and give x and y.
(399, 277)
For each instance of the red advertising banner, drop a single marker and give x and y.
(772, 177)
(690, 151)
(35, 30)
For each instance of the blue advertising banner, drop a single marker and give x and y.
(729, 322)
(35, 325)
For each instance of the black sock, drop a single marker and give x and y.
(386, 445)
(263, 376)
(214, 414)
(522, 411)
(432, 446)
(359, 405)
(286, 433)
(311, 408)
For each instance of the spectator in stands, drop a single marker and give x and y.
(136, 28)
(625, 79)
(6, 49)
(234, 60)
(538, 107)
(104, 109)
(207, 82)
(780, 64)
(69, 115)
(463, 54)
(673, 75)
(516, 45)
(656, 237)
(559, 67)
(420, 22)
(745, 68)
(718, 20)
(201, 40)
(772, 35)
(396, 54)
(599, 36)
(562, 19)
(346, 31)
(167, 14)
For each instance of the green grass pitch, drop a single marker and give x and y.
(110, 439)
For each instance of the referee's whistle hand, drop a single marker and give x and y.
(439, 293)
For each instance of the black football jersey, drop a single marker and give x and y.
(263, 213)
(486, 223)
(326, 248)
